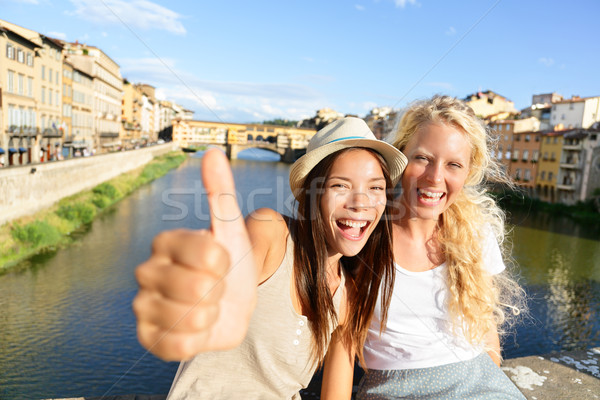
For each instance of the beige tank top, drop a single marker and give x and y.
(274, 360)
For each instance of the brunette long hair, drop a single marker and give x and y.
(363, 272)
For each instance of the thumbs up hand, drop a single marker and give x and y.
(198, 288)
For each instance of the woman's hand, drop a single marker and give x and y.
(198, 288)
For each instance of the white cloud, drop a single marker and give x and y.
(140, 14)
(57, 35)
(104, 34)
(451, 31)
(548, 62)
(223, 100)
(359, 7)
(308, 59)
(403, 3)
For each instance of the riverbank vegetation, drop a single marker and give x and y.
(51, 228)
(585, 212)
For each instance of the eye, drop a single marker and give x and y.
(455, 165)
(338, 185)
(378, 187)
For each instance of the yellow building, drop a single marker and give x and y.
(66, 126)
(487, 103)
(131, 115)
(549, 163)
(82, 119)
(107, 92)
(19, 66)
(50, 98)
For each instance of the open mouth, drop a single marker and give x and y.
(430, 197)
(353, 229)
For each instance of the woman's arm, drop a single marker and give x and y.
(198, 288)
(492, 341)
(338, 372)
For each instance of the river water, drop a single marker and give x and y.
(67, 329)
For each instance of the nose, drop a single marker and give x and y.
(359, 200)
(434, 173)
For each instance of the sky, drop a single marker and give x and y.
(250, 61)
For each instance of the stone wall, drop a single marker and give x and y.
(29, 188)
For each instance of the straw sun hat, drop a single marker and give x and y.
(342, 134)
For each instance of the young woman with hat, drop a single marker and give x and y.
(252, 306)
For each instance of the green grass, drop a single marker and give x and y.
(50, 228)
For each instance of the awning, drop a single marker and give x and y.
(22, 150)
(2, 150)
(11, 150)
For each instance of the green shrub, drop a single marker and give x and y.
(83, 212)
(108, 190)
(101, 201)
(36, 233)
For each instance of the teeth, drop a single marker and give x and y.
(353, 224)
(431, 194)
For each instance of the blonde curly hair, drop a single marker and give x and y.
(477, 300)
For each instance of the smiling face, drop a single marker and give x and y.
(438, 166)
(353, 201)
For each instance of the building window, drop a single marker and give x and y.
(57, 77)
(10, 84)
(535, 156)
(43, 95)
(515, 155)
(543, 175)
(56, 98)
(555, 139)
(43, 72)
(21, 84)
(550, 176)
(527, 175)
(50, 75)
(10, 51)
(30, 59)
(518, 174)
(548, 140)
(562, 116)
(30, 86)
(527, 138)
(552, 157)
(21, 56)
(50, 96)
(525, 155)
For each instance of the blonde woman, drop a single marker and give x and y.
(451, 293)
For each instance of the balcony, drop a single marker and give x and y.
(578, 146)
(14, 130)
(569, 187)
(570, 164)
(51, 132)
(109, 134)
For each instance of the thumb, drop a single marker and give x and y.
(226, 217)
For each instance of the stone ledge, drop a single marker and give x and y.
(555, 376)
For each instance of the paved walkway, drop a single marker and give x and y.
(557, 376)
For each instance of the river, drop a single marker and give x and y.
(67, 329)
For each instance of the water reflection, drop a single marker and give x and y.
(554, 223)
(572, 313)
